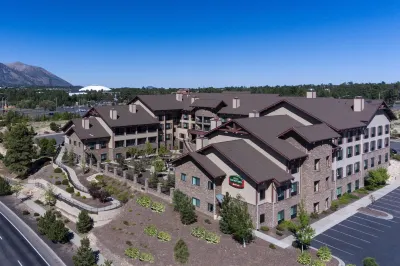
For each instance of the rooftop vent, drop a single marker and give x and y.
(85, 123)
(311, 94)
(179, 97)
(236, 103)
(132, 108)
(113, 114)
(358, 104)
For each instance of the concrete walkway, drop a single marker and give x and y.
(76, 240)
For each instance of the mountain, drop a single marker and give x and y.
(20, 74)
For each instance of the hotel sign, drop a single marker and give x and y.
(236, 181)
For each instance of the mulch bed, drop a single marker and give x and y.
(373, 212)
(112, 241)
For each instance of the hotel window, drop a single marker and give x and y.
(349, 136)
(183, 177)
(339, 192)
(379, 143)
(103, 157)
(357, 167)
(316, 164)
(281, 193)
(119, 144)
(281, 216)
(185, 125)
(316, 207)
(339, 155)
(293, 211)
(294, 169)
(160, 118)
(349, 188)
(262, 194)
(349, 152)
(339, 173)
(130, 142)
(74, 143)
(328, 161)
(210, 185)
(365, 164)
(358, 133)
(366, 133)
(316, 186)
(326, 203)
(387, 129)
(79, 144)
(357, 149)
(103, 144)
(195, 181)
(386, 157)
(168, 126)
(349, 169)
(167, 136)
(386, 142)
(161, 126)
(372, 145)
(185, 117)
(119, 131)
(380, 131)
(118, 155)
(196, 202)
(366, 147)
(379, 159)
(373, 129)
(357, 184)
(340, 140)
(92, 145)
(293, 189)
(372, 162)
(262, 218)
(210, 207)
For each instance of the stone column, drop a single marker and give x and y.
(159, 187)
(124, 174)
(135, 178)
(146, 184)
(115, 172)
(171, 193)
(98, 167)
(106, 168)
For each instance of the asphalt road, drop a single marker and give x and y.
(395, 145)
(59, 137)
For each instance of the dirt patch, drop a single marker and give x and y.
(129, 226)
(44, 126)
(373, 212)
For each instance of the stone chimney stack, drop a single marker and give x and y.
(132, 108)
(311, 94)
(85, 123)
(236, 102)
(358, 105)
(113, 114)
(179, 97)
(254, 114)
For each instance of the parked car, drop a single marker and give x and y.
(393, 151)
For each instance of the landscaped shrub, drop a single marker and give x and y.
(317, 263)
(376, 178)
(264, 228)
(58, 214)
(370, 262)
(164, 236)
(181, 251)
(132, 253)
(70, 190)
(289, 225)
(5, 187)
(38, 202)
(25, 212)
(304, 258)
(334, 205)
(157, 207)
(57, 183)
(146, 257)
(85, 222)
(129, 243)
(207, 221)
(324, 254)
(199, 232)
(183, 204)
(144, 201)
(150, 230)
(314, 215)
(83, 197)
(36, 214)
(126, 223)
(361, 191)
(346, 198)
(279, 233)
(78, 194)
(280, 227)
(212, 238)
(272, 246)
(65, 182)
(123, 197)
(58, 170)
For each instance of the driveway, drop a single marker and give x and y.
(361, 235)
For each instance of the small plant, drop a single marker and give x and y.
(83, 197)
(304, 258)
(164, 236)
(157, 207)
(58, 214)
(280, 227)
(369, 262)
(37, 219)
(129, 243)
(317, 263)
(130, 210)
(66, 220)
(150, 230)
(314, 215)
(272, 246)
(181, 252)
(207, 221)
(144, 201)
(38, 202)
(70, 190)
(324, 254)
(65, 182)
(36, 214)
(279, 233)
(147, 257)
(132, 253)
(126, 223)
(58, 170)
(264, 228)
(25, 212)
(78, 194)
(334, 205)
(57, 183)
(199, 232)
(212, 238)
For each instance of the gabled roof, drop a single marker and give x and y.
(95, 129)
(313, 133)
(204, 162)
(207, 103)
(124, 116)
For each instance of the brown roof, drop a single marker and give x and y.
(163, 102)
(125, 117)
(250, 161)
(204, 162)
(207, 103)
(314, 133)
(95, 129)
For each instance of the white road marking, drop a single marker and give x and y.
(388, 209)
(1, 238)
(390, 204)
(391, 197)
(25, 239)
(363, 225)
(19, 263)
(394, 192)
(378, 218)
(371, 221)
(332, 246)
(357, 230)
(349, 235)
(341, 240)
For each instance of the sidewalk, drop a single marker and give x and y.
(71, 172)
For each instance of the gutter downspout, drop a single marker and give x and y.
(273, 203)
(215, 205)
(257, 216)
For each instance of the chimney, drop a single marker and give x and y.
(132, 108)
(254, 114)
(311, 94)
(113, 114)
(179, 97)
(215, 122)
(85, 123)
(236, 103)
(358, 105)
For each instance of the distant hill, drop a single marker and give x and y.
(20, 74)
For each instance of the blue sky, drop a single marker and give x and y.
(205, 43)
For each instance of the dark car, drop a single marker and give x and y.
(393, 151)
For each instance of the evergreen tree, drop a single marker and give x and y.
(19, 144)
(71, 158)
(64, 158)
(148, 149)
(181, 252)
(5, 187)
(84, 255)
(50, 196)
(85, 222)
(305, 233)
(45, 222)
(57, 232)
(188, 214)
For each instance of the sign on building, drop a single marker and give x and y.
(236, 181)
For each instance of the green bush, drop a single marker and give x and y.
(370, 262)
(264, 228)
(132, 253)
(144, 201)
(334, 205)
(280, 227)
(272, 246)
(207, 221)
(146, 257)
(304, 258)
(212, 238)
(181, 252)
(129, 243)
(36, 214)
(314, 215)
(58, 170)
(58, 214)
(57, 183)
(39, 202)
(83, 197)
(324, 254)
(70, 190)
(377, 178)
(361, 191)
(123, 197)
(150, 230)
(279, 233)
(65, 182)
(157, 207)
(5, 187)
(346, 198)
(164, 236)
(25, 212)
(199, 232)
(78, 194)
(317, 263)
(289, 225)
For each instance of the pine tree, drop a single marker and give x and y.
(85, 222)
(5, 187)
(84, 255)
(188, 214)
(45, 222)
(181, 251)
(57, 232)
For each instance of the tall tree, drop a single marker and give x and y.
(84, 255)
(304, 233)
(85, 222)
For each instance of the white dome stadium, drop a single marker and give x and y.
(95, 88)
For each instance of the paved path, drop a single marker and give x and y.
(20, 245)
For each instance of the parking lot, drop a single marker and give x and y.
(361, 235)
